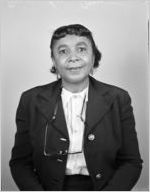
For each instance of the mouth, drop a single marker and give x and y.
(78, 68)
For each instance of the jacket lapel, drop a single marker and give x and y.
(99, 102)
(60, 122)
(46, 104)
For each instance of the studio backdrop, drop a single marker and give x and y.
(120, 30)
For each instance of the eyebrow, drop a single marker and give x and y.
(63, 45)
(82, 43)
(79, 43)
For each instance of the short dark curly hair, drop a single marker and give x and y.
(79, 30)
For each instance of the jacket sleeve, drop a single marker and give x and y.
(21, 165)
(128, 158)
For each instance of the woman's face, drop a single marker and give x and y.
(73, 58)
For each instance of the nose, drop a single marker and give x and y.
(73, 57)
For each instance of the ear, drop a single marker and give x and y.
(92, 71)
(92, 67)
(53, 60)
(93, 59)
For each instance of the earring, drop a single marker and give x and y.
(58, 76)
(92, 71)
(53, 69)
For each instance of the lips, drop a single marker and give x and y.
(74, 68)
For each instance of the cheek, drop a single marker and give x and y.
(90, 60)
(59, 62)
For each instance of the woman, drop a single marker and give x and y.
(75, 133)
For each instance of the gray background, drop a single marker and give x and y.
(121, 33)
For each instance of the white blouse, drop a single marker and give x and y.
(74, 105)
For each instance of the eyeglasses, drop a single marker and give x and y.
(52, 120)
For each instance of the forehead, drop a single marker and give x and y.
(72, 40)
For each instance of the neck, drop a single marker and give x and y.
(75, 87)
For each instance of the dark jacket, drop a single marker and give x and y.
(110, 140)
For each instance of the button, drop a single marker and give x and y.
(60, 160)
(63, 152)
(98, 176)
(63, 139)
(66, 151)
(91, 137)
(60, 152)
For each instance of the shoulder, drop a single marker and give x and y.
(113, 89)
(110, 91)
(32, 92)
(108, 88)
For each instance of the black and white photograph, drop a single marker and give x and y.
(74, 95)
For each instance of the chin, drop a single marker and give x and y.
(76, 80)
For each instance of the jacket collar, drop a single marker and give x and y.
(47, 99)
(99, 102)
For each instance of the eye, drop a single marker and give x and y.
(62, 51)
(82, 49)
